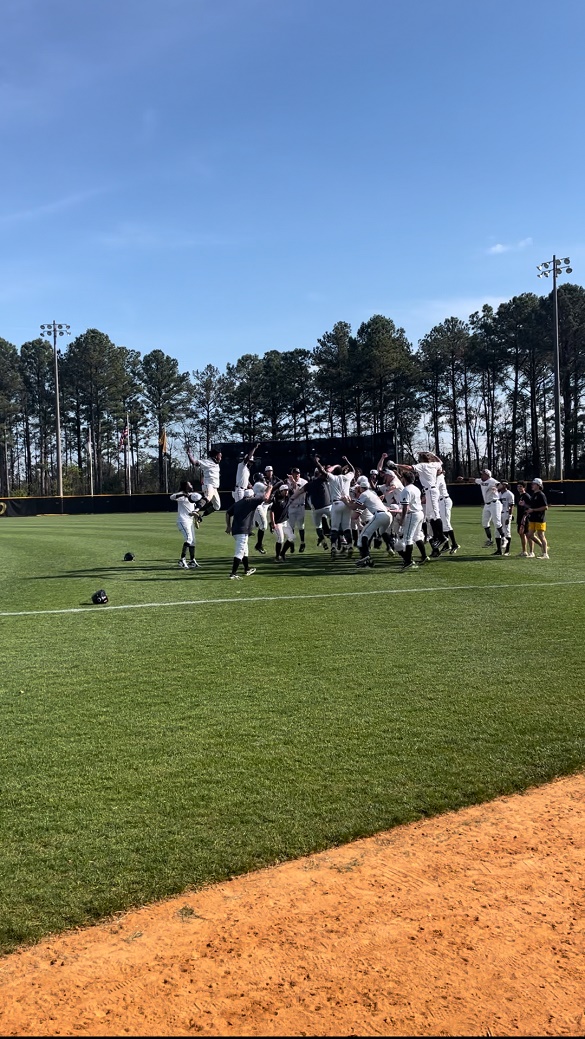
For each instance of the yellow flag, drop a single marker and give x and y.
(163, 442)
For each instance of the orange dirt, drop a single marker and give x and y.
(472, 923)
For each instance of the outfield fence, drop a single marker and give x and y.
(567, 492)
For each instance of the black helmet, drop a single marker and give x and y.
(99, 598)
(128, 557)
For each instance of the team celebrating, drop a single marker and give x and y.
(398, 506)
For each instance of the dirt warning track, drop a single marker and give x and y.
(472, 923)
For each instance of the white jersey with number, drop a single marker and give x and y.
(410, 496)
(507, 500)
(489, 489)
(186, 505)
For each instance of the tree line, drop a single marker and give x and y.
(477, 392)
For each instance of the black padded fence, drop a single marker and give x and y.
(569, 492)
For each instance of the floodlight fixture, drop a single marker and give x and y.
(52, 330)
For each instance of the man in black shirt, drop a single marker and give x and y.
(239, 520)
(537, 520)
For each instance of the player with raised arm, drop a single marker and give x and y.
(296, 506)
(492, 509)
(209, 480)
(316, 491)
(339, 478)
(426, 469)
(243, 473)
(187, 501)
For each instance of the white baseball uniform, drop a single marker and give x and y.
(507, 500)
(492, 509)
(380, 518)
(242, 480)
(413, 521)
(427, 474)
(296, 510)
(445, 502)
(187, 509)
(210, 481)
(339, 487)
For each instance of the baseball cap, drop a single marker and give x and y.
(362, 481)
(487, 472)
(295, 470)
(537, 481)
(373, 472)
(259, 490)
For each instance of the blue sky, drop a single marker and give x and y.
(216, 177)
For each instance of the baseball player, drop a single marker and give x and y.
(243, 473)
(339, 478)
(426, 469)
(187, 500)
(261, 516)
(279, 522)
(209, 480)
(316, 491)
(411, 521)
(390, 491)
(239, 520)
(507, 500)
(445, 506)
(367, 501)
(492, 509)
(296, 507)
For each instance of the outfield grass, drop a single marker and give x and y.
(148, 750)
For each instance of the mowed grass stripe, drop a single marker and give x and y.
(164, 749)
(289, 598)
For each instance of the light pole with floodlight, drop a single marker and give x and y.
(556, 267)
(51, 331)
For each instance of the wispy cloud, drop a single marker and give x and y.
(49, 208)
(509, 247)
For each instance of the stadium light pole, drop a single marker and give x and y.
(556, 267)
(51, 331)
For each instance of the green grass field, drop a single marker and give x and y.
(147, 750)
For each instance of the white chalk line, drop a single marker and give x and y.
(301, 596)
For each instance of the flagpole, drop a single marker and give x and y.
(90, 459)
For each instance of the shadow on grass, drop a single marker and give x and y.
(298, 567)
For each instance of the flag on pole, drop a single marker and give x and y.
(123, 438)
(163, 442)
